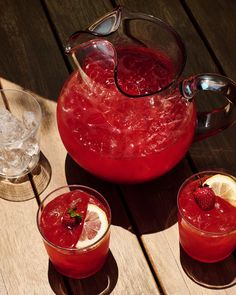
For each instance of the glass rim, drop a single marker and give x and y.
(38, 122)
(213, 171)
(81, 187)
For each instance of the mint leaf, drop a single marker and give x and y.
(73, 213)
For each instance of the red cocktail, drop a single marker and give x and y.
(207, 216)
(74, 222)
(119, 138)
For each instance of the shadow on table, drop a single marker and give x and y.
(77, 175)
(20, 189)
(103, 282)
(154, 204)
(151, 206)
(211, 275)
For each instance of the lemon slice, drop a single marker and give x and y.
(95, 226)
(223, 186)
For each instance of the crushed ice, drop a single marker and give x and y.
(17, 151)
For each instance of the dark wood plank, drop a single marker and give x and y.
(29, 53)
(70, 16)
(216, 20)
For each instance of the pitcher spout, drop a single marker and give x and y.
(103, 27)
(107, 24)
(132, 43)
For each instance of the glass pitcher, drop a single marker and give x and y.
(125, 114)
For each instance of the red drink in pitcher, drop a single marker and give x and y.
(125, 114)
(207, 216)
(74, 222)
(120, 138)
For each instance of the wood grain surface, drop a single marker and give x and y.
(145, 256)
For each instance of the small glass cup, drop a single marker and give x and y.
(203, 245)
(20, 119)
(73, 262)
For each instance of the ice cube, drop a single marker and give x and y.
(13, 162)
(29, 120)
(13, 157)
(31, 147)
(11, 129)
(18, 152)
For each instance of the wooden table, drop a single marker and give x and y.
(145, 256)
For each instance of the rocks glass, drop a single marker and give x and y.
(20, 118)
(76, 248)
(207, 230)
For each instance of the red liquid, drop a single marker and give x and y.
(207, 236)
(70, 261)
(119, 138)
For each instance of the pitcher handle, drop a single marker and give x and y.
(210, 123)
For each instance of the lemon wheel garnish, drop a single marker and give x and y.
(95, 226)
(223, 186)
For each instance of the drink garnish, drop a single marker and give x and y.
(205, 197)
(71, 218)
(223, 186)
(94, 227)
